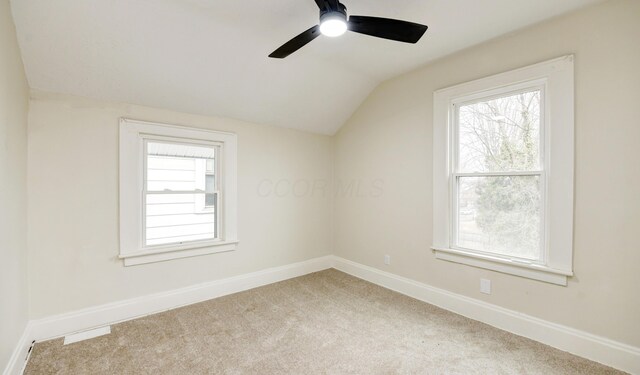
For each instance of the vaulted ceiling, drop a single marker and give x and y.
(210, 56)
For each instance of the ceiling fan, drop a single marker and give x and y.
(333, 22)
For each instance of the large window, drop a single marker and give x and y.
(503, 172)
(177, 192)
(498, 175)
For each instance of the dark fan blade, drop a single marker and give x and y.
(322, 4)
(333, 4)
(401, 31)
(326, 5)
(296, 43)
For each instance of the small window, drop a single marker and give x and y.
(503, 172)
(183, 210)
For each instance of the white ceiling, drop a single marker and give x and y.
(210, 56)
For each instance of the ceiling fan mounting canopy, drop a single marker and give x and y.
(334, 22)
(340, 9)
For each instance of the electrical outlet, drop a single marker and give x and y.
(485, 286)
(387, 259)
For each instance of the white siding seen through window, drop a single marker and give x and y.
(175, 210)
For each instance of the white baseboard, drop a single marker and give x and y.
(20, 354)
(64, 324)
(611, 353)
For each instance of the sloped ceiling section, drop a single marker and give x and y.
(210, 56)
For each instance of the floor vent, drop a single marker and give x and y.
(86, 335)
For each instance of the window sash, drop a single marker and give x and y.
(495, 94)
(217, 192)
(499, 174)
(455, 216)
(216, 211)
(455, 175)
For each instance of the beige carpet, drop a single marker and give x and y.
(323, 323)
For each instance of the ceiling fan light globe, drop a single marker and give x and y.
(333, 26)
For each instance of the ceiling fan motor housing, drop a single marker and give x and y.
(340, 13)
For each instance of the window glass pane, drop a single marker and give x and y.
(176, 167)
(500, 215)
(211, 200)
(210, 188)
(210, 183)
(501, 134)
(176, 218)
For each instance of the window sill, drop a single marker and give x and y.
(528, 270)
(184, 251)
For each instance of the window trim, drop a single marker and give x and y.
(557, 152)
(133, 134)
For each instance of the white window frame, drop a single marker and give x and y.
(133, 134)
(556, 80)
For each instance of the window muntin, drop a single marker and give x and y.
(497, 174)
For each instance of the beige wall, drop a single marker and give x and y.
(390, 139)
(14, 100)
(73, 204)
(382, 164)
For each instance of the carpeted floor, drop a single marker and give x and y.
(324, 323)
